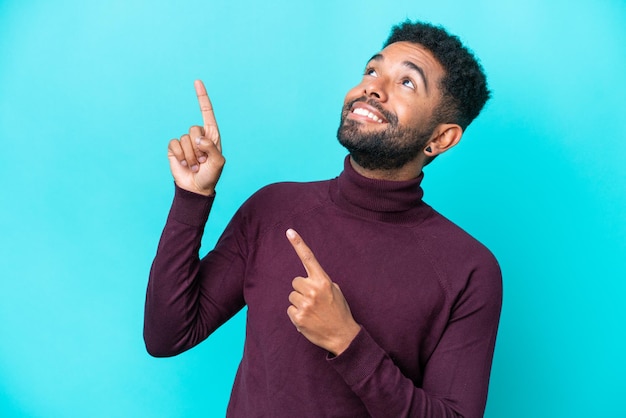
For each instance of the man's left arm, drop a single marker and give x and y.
(456, 377)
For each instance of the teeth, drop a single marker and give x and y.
(364, 112)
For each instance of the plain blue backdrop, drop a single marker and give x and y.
(91, 92)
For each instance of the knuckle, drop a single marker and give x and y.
(292, 296)
(292, 311)
(302, 307)
(195, 131)
(175, 149)
(299, 317)
(312, 293)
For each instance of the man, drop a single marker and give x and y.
(388, 309)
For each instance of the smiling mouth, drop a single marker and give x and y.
(364, 112)
(367, 111)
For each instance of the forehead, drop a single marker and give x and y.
(399, 52)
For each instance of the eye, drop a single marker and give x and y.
(371, 72)
(408, 83)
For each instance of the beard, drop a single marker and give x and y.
(387, 149)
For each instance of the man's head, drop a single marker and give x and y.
(415, 99)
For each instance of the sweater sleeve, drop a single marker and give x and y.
(188, 298)
(456, 376)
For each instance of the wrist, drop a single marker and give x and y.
(208, 192)
(346, 339)
(189, 207)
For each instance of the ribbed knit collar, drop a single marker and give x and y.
(382, 200)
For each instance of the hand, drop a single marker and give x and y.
(318, 309)
(196, 160)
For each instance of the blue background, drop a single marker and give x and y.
(91, 92)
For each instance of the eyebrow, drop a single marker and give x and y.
(409, 64)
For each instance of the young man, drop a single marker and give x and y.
(388, 309)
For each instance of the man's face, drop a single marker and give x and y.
(387, 119)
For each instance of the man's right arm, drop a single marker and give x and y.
(189, 298)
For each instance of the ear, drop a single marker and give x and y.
(444, 137)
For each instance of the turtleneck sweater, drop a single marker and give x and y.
(426, 294)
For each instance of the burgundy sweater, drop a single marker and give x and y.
(426, 294)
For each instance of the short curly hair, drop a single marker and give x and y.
(464, 85)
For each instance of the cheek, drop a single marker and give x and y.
(354, 93)
(415, 114)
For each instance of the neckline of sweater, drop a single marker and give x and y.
(383, 200)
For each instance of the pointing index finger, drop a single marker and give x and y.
(310, 263)
(208, 117)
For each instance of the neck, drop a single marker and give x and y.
(409, 171)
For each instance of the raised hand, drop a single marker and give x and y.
(318, 309)
(196, 159)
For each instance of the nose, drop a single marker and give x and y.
(375, 88)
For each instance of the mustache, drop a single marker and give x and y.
(391, 118)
